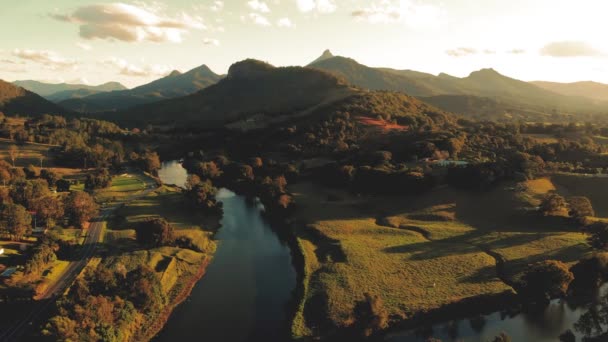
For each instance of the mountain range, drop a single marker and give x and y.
(253, 93)
(16, 100)
(592, 90)
(485, 83)
(175, 84)
(259, 90)
(61, 91)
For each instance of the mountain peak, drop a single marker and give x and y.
(174, 73)
(487, 72)
(248, 68)
(326, 55)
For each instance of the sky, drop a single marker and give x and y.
(135, 42)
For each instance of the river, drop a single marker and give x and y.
(244, 294)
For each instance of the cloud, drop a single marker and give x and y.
(217, 6)
(48, 58)
(570, 49)
(84, 46)
(516, 51)
(211, 41)
(461, 52)
(130, 23)
(12, 66)
(259, 19)
(12, 62)
(414, 14)
(127, 69)
(285, 22)
(259, 6)
(320, 6)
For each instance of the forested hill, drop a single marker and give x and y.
(487, 83)
(16, 100)
(252, 90)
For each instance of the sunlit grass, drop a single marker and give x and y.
(420, 252)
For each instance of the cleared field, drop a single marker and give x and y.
(167, 202)
(122, 186)
(542, 138)
(28, 154)
(418, 253)
(592, 187)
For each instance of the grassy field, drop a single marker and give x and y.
(166, 202)
(592, 187)
(122, 186)
(419, 253)
(29, 154)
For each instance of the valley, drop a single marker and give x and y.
(196, 171)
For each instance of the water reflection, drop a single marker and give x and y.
(243, 295)
(544, 325)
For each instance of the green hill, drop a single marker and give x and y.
(174, 85)
(16, 100)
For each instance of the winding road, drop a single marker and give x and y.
(95, 230)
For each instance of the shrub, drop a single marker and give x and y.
(544, 280)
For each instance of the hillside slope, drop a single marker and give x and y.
(47, 90)
(588, 89)
(16, 100)
(483, 83)
(253, 91)
(174, 85)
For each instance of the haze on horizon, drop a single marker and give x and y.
(134, 42)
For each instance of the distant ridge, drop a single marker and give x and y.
(592, 90)
(48, 90)
(175, 84)
(17, 100)
(488, 83)
(251, 89)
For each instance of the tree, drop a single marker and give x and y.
(49, 209)
(13, 153)
(63, 185)
(370, 315)
(502, 337)
(145, 289)
(151, 162)
(99, 179)
(62, 328)
(18, 220)
(552, 203)
(545, 279)
(203, 195)
(580, 208)
(155, 232)
(80, 208)
(51, 176)
(208, 170)
(598, 235)
(31, 171)
(589, 273)
(567, 336)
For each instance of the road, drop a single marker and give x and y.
(18, 329)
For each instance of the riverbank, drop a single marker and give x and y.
(430, 258)
(179, 269)
(158, 324)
